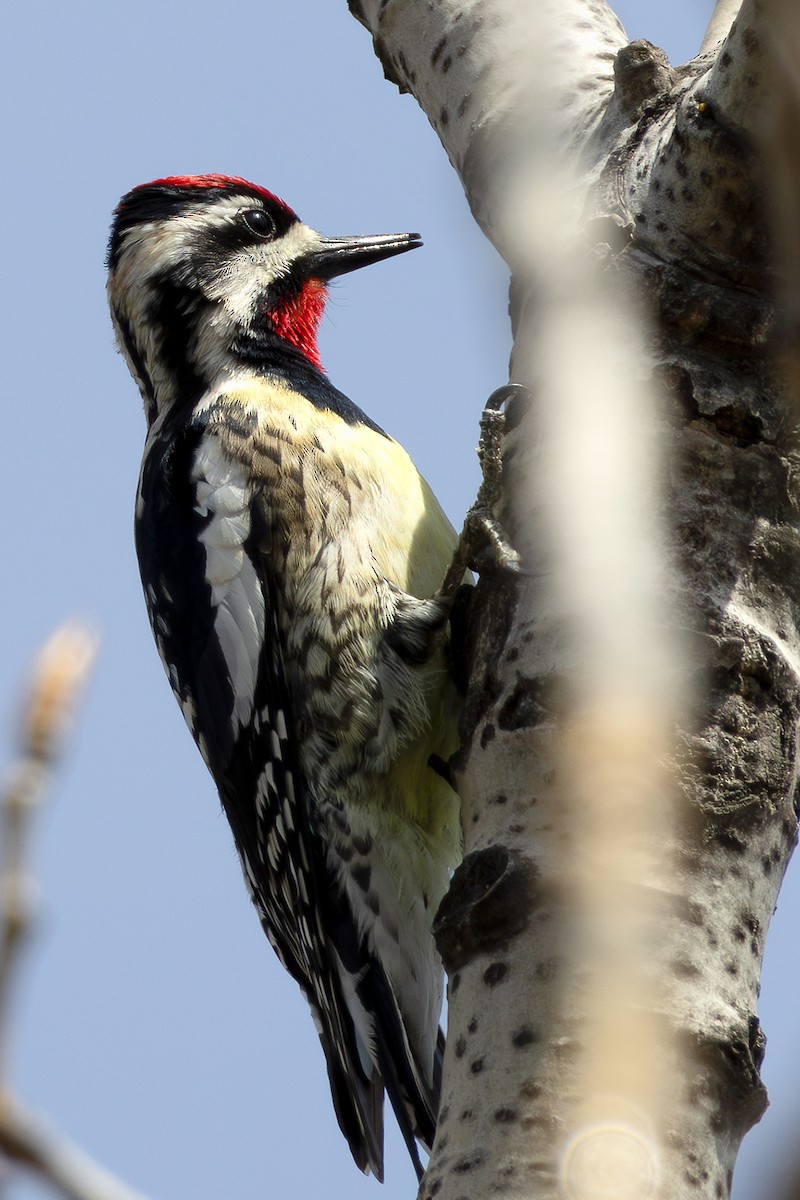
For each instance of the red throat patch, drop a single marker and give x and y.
(297, 319)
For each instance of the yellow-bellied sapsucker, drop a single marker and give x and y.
(290, 554)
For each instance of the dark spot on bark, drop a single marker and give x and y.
(454, 983)
(461, 1046)
(505, 1115)
(530, 1089)
(500, 799)
(467, 1163)
(518, 827)
(437, 50)
(492, 896)
(487, 735)
(725, 60)
(730, 840)
(466, 1115)
(463, 104)
(473, 1025)
(476, 1066)
(495, 974)
(447, 63)
(524, 1036)
(444, 117)
(750, 42)
(683, 969)
(528, 705)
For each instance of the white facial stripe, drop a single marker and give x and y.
(248, 272)
(171, 244)
(234, 285)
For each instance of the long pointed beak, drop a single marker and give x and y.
(337, 256)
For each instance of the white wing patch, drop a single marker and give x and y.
(222, 495)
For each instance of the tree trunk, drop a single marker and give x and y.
(630, 729)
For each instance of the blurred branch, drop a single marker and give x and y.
(25, 1139)
(58, 675)
(57, 682)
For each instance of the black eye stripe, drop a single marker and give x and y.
(258, 221)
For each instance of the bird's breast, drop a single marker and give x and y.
(343, 498)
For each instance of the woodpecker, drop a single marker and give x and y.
(290, 555)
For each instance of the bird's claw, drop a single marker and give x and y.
(484, 544)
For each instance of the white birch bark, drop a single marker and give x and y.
(545, 114)
(719, 26)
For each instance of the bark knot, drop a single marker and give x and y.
(641, 72)
(490, 901)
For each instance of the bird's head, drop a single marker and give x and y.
(208, 271)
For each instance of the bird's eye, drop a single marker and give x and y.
(258, 222)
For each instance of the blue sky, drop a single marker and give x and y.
(153, 1022)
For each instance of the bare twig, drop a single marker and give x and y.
(58, 676)
(57, 682)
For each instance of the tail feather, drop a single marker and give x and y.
(364, 1038)
(415, 1101)
(358, 1104)
(358, 1094)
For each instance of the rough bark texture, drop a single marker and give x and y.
(675, 197)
